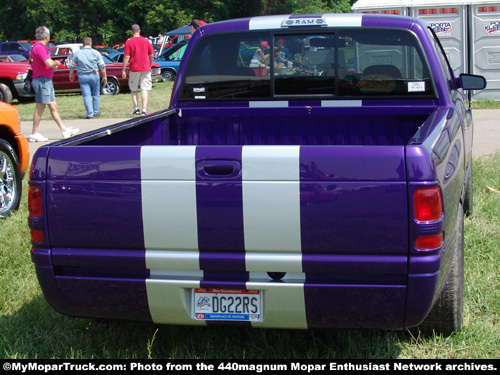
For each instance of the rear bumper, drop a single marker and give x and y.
(298, 301)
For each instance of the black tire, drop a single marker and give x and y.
(446, 315)
(112, 87)
(468, 201)
(10, 180)
(5, 93)
(167, 75)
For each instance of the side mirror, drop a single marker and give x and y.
(472, 82)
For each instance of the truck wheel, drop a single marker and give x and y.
(112, 87)
(5, 93)
(10, 180)
(468, 206)
(167, 75)
(446, 316)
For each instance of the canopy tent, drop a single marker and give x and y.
(183, 30)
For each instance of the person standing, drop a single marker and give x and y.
(139, 52)
(88, 62)
(195, 24)
(43, 70)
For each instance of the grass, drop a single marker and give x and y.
(32, 329)
(70, 105)
(485, 104)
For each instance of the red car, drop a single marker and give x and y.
(12, 76)
(115, 82)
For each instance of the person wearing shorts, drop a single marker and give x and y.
(139, 52)
(43, 68)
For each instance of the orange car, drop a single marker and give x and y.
(14, 159)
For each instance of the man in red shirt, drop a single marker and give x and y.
(139, 52)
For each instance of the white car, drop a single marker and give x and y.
(68, 48)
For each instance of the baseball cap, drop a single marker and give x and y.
(135, 27)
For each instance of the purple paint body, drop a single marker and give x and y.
(359, 148)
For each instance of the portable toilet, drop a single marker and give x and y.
(469, 31)
(447, 18)
(449, 21)
(485, 46)
(396, 7)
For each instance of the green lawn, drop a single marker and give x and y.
(112, 106)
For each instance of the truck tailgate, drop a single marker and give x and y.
(320, 218)
(279, 200)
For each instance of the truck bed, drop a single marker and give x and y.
(306, 125)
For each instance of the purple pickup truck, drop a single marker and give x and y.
(317, 180)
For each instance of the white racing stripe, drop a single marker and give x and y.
(266, 22)
(284, 305)
(271, 214)
(168, 187)
(344, 20)
(271, 199)
(332, 20)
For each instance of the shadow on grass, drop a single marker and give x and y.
(38, 331)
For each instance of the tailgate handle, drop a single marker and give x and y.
(219, 168)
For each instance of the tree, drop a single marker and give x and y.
(109, 21)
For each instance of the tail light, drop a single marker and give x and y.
(35, 211)
(428, 208)
(36, 235)
(427, 204)
(35, 201)
(430, 242)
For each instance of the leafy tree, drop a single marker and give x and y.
(109, 21)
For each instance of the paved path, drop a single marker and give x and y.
(486, 130)
(50, 129)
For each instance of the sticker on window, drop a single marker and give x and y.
(416, 86)
(197, 91)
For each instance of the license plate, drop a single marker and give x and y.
(227, 304)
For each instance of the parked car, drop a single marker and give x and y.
(115, 82)
(105, 51)
(15, 48)
(13, 58)
(171, 59)
(116, 56)
(67, 48)
(12, 76)
(14, 159)
(155, 75)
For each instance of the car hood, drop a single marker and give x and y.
(12, 65)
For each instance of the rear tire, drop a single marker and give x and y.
(167, 75)
(5, 94)
(468, 201)
(112, 87)
(10, 180)
(446, 315)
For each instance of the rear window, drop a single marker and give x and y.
(343, 63)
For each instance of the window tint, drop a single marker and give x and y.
(331, 63)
